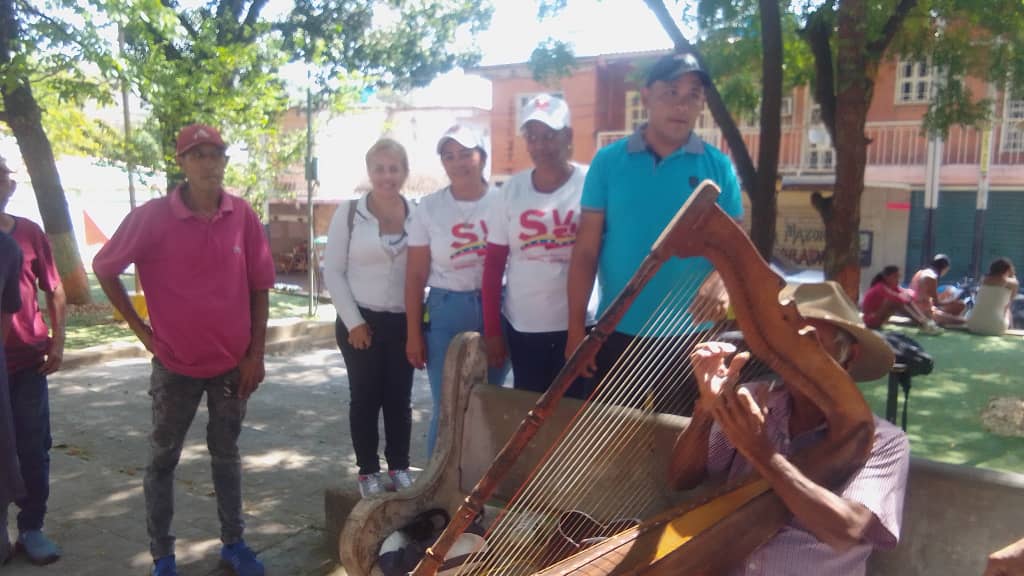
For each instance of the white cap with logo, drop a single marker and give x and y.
(464, 135)
(549, 110)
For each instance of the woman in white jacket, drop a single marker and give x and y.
(364, 269)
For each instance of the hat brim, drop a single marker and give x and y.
(463, 140)
(554, 125)
(874, 358)
(673, 76)
(188, 148)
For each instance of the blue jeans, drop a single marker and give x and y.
(450, 313)
(30, 404)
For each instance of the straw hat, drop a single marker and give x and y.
(827, 301)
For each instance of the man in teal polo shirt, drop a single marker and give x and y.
(633, 189)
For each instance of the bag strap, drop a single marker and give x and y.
(351, 217)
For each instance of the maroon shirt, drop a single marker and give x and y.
(198, 275)
(29, 340)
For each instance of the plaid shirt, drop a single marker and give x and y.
(879, 486)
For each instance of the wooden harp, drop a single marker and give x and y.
(703, 538)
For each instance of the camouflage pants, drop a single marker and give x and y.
(175, 401)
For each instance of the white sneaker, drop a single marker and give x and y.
(370, 484)
(401, 479)
(931, 329)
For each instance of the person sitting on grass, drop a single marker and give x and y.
(925, 287)
(886, 297)
(991, 313)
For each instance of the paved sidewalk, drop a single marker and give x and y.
(295, 443)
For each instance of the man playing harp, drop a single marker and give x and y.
(755, 428)
(633, 189)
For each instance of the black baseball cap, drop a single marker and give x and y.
(672, 66)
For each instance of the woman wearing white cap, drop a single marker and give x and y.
(532, 228)
(447, 243)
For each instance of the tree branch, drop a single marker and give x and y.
(9, 29)
(57, 25)
(181, 18)
(253, 15)
(763, 198)
(668, 23)
(818, 35)
(877, 48)
(726, 123)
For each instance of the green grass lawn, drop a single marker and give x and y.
(944, 419)
(94, 324)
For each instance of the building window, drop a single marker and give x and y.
(820, 153)
(752, 120)
(913, 81)
(636, 114)
(1013, 125)
(523, 99)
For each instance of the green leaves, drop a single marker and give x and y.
(220, 61)
(551, 60)
(399, 44)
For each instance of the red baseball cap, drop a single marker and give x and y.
(196, 135)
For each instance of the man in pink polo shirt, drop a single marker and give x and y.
(205, 265)
(32, 354)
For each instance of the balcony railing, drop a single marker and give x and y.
(892, 144)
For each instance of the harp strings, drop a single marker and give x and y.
(542, 495)
(609, 436)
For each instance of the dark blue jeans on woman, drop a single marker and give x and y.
(537, 358)
(379, 380)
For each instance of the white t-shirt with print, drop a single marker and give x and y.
(540, 230)
(456, 233)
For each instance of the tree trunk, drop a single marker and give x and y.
(763, 197)
(853, 97)
(25, 120)
(168, 143)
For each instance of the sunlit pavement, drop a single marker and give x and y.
(295, 443)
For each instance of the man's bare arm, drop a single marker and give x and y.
(56, 303)
(118, 297)
(259, 308)
(834, 520)
(688, 467)
(251, 369)
(582, 272)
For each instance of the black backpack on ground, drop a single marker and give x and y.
(910, 353)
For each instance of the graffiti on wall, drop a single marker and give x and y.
(803, 242)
